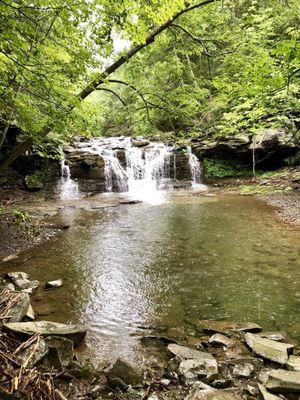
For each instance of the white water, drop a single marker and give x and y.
(68, 188)
(146, 174)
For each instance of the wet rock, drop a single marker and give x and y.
(60, 354)
(122, 374)
(33, 354)
(282, 381)
(267, 395)
(222, 383)
(54, 284)
(226, 326)
(293, 363)
(269, 349)
(194, 364)
(130, 201)
(221, 340)
(17, 312)
(139, 142)
(84, 371)
(76, 333)
(22, 281)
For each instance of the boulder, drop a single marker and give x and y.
(244, 370)
(140, 142)
(269, 349)
(22, 281)
(54, 284)
(76, 333)
(60, 354)
(226, 326)
(33, 354)
(293, 363)
(194, 364)
(277, 336)
(267, 395)
(221, 340)
(122, 374)
(20, 308)
(282, 381)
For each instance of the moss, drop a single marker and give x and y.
(248, 190)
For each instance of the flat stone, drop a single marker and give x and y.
(33, 354)
(54, 284)
(277, 336)
(225, 326)
(221, 340)
(185, 353)
(282, 381)
(269, 349)
(267, 395)
(293, 363)
(123, 374)
(76, 333)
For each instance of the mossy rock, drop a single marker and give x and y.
(33, 182)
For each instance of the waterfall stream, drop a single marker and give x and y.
(143, 171)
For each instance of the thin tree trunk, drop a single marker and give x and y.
(100, 79)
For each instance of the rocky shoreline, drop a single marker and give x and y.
(225, 360)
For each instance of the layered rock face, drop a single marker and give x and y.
(271, 146)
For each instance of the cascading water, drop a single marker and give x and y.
(141, 171)
(68, 188)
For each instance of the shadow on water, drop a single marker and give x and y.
(131, 268)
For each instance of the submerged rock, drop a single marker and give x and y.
(122, 374)
(226, 326)
(54, 284)
(269, 349)
(11, 257)
(22, 281)
(282, 381)
(76, 333)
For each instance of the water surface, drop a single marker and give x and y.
(137, 268)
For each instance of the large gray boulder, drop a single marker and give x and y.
(282, 381)
(269, 349)
(123, 374)
(76, 333)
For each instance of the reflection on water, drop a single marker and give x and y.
(136, 267)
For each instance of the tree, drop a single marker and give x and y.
(51, 46)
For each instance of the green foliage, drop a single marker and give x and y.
(217, 168)
(2, 209)
(249, 190)
(21, 216)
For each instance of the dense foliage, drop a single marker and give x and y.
(229, 66)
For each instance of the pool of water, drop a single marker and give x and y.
(137, 268)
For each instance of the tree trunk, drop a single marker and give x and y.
(100, 79)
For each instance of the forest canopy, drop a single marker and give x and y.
(212, 67)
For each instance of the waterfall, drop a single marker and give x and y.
(68, 188)
(147, 172)
(142, 171)
(195, 168)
